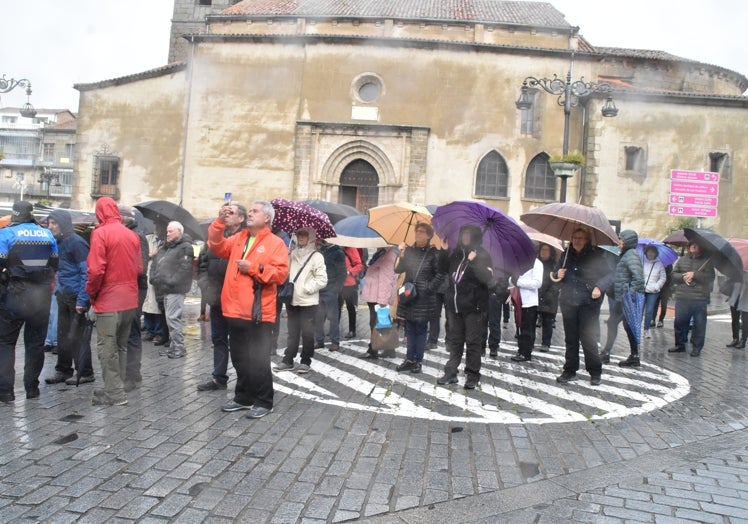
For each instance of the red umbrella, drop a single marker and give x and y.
(741, 246)
(560, 219)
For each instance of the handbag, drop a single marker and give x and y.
(408, 292)
(384, 339)
(285, 290)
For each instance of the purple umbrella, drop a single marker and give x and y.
(291, 215)
(511, 250)
(666, 254)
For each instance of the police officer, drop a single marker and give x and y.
(28, 261)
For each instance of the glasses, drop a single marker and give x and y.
(579, 238)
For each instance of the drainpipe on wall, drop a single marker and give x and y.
(186, 120)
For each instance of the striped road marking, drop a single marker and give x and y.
(509, 392)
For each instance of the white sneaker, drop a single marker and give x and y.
(647, 334)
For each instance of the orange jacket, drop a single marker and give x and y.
(268, 269)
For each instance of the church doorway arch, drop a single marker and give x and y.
(359, 185)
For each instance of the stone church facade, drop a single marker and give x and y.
(371, 102)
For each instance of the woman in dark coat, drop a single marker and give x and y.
(547, 296)
(420, 264)
(584, 275)
(629, 279)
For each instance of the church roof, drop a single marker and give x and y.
(539, 14)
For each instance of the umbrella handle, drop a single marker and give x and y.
(566, 254)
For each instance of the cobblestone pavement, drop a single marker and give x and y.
(355, 440)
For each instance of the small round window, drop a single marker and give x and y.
(367, 88)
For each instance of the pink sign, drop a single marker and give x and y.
(694, 188)
(692, 211)
(693, 200)
(701, 176)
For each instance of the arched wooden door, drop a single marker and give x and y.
(359, 185)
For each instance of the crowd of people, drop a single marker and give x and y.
(248, 274)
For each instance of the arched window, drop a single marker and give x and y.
(492, 179)
(540, 182)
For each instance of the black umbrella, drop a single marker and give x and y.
(722, 254)
(336, 212)
(84, 350)
(165, 211)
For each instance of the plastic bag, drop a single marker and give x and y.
(384, 320)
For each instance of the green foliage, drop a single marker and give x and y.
(575, 157)
(682, 222)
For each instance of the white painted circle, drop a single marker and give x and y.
(510, 392)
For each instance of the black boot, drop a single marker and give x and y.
(741, 345)
(605, 356)
(735, 343)
(631, 362)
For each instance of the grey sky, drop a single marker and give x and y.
(56, 44)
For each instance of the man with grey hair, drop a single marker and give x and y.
(171, 276)
(258, 264)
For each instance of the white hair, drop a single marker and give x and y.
(176, 225)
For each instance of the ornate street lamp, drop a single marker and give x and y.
(569, 94)
(27, 110)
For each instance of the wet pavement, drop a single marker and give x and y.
(355, 440)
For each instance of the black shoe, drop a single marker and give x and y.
(350, 334)
(416, 368)
(471, 383)
(545, 349)
(57, 378)
(566, 376)
(631, 362)
(660, 324)
(48, 348)
(521, 358)
(211, 385)
(493, 354)
(605, 357)
(695, 352)
(741, 345)
(131, 385)
(32, 393)
(733, 344)
(370, 355)
(676, 349)
(406, 365)
(595, 380)
(148, 337)
(388, 353)
(160, 341)
(319, 345)
(446, 379)
(7, 397)
(431, 345)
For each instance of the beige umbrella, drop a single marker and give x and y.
(537, 236)
(560, 219)
(396, 223)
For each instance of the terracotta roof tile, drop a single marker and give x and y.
(540, 14)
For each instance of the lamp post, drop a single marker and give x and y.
(569, 94)
(6, 86)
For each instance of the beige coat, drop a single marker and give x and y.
(311, 279)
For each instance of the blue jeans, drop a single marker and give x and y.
(327, 309)
(152, 323)
(219, 335)
(416, 333)
(684, 310)
(51, 339)
(650, 302)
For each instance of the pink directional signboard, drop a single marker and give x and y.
(693, 193)
(692, 211)
(693, 200)
(693, 188)
(701, 176)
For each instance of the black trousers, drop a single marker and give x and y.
(582, 325)
(70, 328)
(249, 345)
(349, 298)
(300, 326)
(526, 339)
(466, 333)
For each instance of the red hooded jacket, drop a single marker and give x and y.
(114, 262)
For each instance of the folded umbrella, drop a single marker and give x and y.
(560, 219)
(666, 254)
(633, 311)
(720, 252)
(291, 215)
(355, 232)
(84, 348)
(165, 211)
(512, 252)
